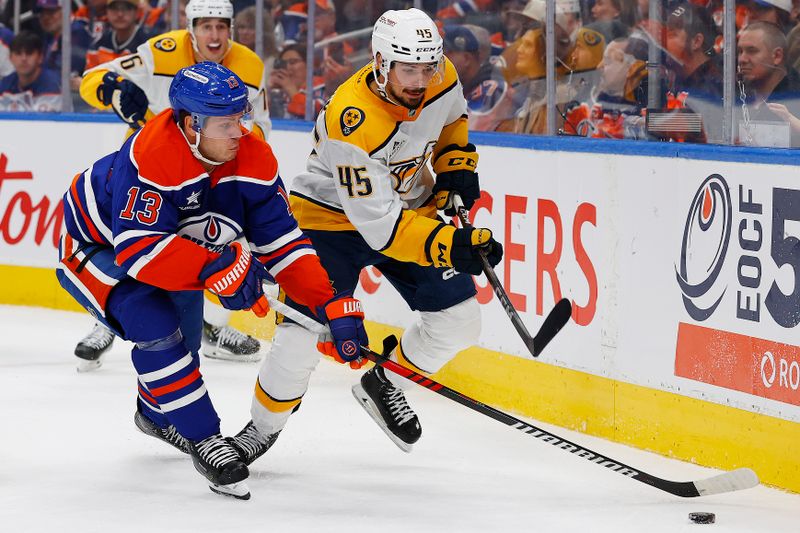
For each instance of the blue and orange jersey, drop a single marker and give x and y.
(167, 218)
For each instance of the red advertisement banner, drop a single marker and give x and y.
(764, 368)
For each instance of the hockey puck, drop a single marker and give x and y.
(702, 518)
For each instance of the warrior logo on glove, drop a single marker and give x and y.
(232, 275)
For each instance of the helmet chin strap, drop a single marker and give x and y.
(195, 148)
(382, 86)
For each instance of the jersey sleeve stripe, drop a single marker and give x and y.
(95, 234)
(91, 206)
(296, 233)
(246, 179)
(135, 234)
(74, 216)
(283, 251)
(142, 262)
(289, 259)
(124, 254)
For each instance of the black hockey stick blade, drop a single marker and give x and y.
(557, 319)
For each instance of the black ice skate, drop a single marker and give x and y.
(91, 348)
(218, 461)
(229, 344)
(387, 405)
(169, 434)
(250, 444)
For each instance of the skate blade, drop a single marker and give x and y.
(239, 490)
(366, 402)
(212, 352)
(85, 365)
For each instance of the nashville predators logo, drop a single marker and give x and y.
(167, 44)
(352, 118)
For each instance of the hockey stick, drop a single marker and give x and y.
(556, 318)
(741, 478)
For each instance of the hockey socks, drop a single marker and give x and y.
(171, 388)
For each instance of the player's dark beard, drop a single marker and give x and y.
(403, 98)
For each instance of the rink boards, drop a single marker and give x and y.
(682, 262)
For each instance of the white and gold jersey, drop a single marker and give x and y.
(368, 170)
(157, 61)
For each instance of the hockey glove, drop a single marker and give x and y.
(345, 318)
(461, 249)
(455, 173)
(237, 279)
(125, 97)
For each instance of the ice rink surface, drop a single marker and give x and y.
(72, 461)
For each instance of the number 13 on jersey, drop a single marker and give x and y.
(352, 179)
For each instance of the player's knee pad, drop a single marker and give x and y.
(439, 335)
(283, 377)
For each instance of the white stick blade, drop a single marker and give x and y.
(739, 479)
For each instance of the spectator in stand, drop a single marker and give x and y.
(287, 85)
(244, 26)
(157, 18)
(123, 35)
(697, 79)
(93, 16)
(771, 92)
(613, 18)
(774, 11)
(331, 62)
(27, 17)
(49, 13)
(30, 87)
(615, 108)
(487, 92)
(6, 36)
(532, 18)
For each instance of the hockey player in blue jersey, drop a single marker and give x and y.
(190, 202)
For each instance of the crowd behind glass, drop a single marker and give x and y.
(703, 71)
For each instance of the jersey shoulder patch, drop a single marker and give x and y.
(350, 119)
(166, 44)
(171, 52)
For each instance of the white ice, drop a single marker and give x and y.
(71, 460)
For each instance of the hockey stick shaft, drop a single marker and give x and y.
(554, 321)
(726, 482)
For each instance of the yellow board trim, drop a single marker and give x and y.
(685, 428)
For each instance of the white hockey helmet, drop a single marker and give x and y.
(405, 36)
(201, 9)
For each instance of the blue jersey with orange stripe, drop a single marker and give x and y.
(166, 217)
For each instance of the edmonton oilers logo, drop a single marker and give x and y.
(704, 246)
(212, 230)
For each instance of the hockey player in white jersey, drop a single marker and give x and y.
(136, 87)
(367, 198)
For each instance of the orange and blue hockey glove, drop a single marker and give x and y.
(345, 318)
(238, 280)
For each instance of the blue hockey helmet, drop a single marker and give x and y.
(207, 90)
